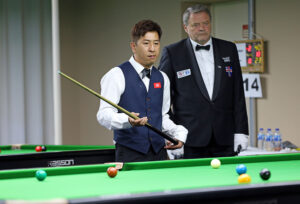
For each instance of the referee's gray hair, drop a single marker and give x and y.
(194, 9)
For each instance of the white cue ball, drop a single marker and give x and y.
(215, 163)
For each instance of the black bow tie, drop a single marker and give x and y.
(199, 47)
(146, 72)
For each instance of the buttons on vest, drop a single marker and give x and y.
(148, 108)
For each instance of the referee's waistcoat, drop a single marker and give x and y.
(136, 99)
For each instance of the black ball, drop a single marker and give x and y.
(44, 148)
(265, 174)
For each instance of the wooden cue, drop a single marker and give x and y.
(120, 108)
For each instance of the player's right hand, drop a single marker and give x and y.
(170, 145)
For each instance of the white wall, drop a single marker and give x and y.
(278, 23)
(228, 19)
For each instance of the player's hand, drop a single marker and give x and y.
(170, 145)
(137, 122)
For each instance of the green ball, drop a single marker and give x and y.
(40, 175)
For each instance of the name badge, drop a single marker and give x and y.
(183, 73)
(226, 59)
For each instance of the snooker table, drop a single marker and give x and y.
(25, 156)
(172, 181)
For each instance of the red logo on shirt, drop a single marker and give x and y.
(157, 85)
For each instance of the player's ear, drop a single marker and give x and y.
(133, 47)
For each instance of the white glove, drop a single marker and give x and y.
(240, 139)
(176, 153)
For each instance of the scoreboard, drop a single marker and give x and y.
(251, 55)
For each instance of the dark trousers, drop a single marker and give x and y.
(213, 149)
(125, 154)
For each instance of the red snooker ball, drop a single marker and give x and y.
(112, 172)
(38, 148)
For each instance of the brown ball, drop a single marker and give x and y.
(112, 172)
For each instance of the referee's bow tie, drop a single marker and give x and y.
(146, 72)
(200, 47)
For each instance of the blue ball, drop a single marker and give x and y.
(40, 175)
(241, 169)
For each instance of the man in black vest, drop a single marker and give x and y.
(140, 88)
(206, 89)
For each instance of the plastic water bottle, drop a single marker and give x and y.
(271, 135)
(268, 143)
(277, 140)
(260, 139)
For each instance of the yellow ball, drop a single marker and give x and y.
(215, 163)
(244, 178)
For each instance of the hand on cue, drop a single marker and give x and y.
(137, 122)
(171, 146)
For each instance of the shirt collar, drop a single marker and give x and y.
(137, 66)
(194, 44)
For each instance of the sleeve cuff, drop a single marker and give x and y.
(181, 133)
(120, 121)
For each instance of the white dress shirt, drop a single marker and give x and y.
(113, 86)
(206, 63)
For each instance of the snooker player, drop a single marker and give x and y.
(139, 87)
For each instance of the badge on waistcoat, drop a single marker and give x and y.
(157, 85)
(228, 69)
(183, 73)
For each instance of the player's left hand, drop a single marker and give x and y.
(137, 122)
(170, 145)
(240, 139)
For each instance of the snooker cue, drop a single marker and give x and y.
(120, 108)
